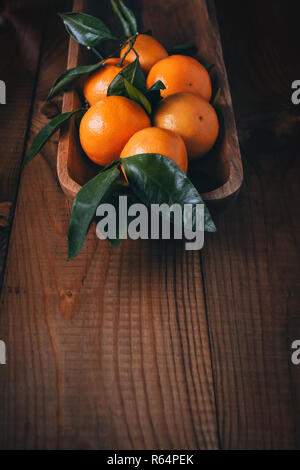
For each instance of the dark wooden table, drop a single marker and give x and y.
(149, 346)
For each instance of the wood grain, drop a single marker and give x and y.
(149, 346)
(21, 34)
(110, 350)
(251, 267)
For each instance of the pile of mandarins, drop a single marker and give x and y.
(184, 124)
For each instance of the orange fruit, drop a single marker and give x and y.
(181, 73)
(148, 49)
(97, 84)
(193, 118)
(108, 125)
(155, 140)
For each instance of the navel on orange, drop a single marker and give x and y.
(180, 73)
(149, 50)
(108, 125)
(193, 118)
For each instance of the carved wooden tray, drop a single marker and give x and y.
(219, 175)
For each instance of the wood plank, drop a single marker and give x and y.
(110, 350)
(140, 374)
(21, 33)
(251, 267)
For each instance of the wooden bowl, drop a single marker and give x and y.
(219, 175)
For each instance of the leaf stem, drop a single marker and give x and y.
(94, 50)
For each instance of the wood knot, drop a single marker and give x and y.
(67, 302)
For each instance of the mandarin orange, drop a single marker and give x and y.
(181, 73)
(193, 118)
(161, 141)
(97, 84)
(149, 50)
(108, 125)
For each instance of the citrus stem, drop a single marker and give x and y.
(131, 42)
(137, 56)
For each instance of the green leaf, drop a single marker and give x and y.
(67, 78)
(123, 21)
(216, 101)
(129, 16)
(130, 82)
(185, 49)
(159, 85)
(153, 93)
(133, 73)
(156, 179)
(46, 132)
(85, 205)
(134, 94)
(126, 17)
(85, 29)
